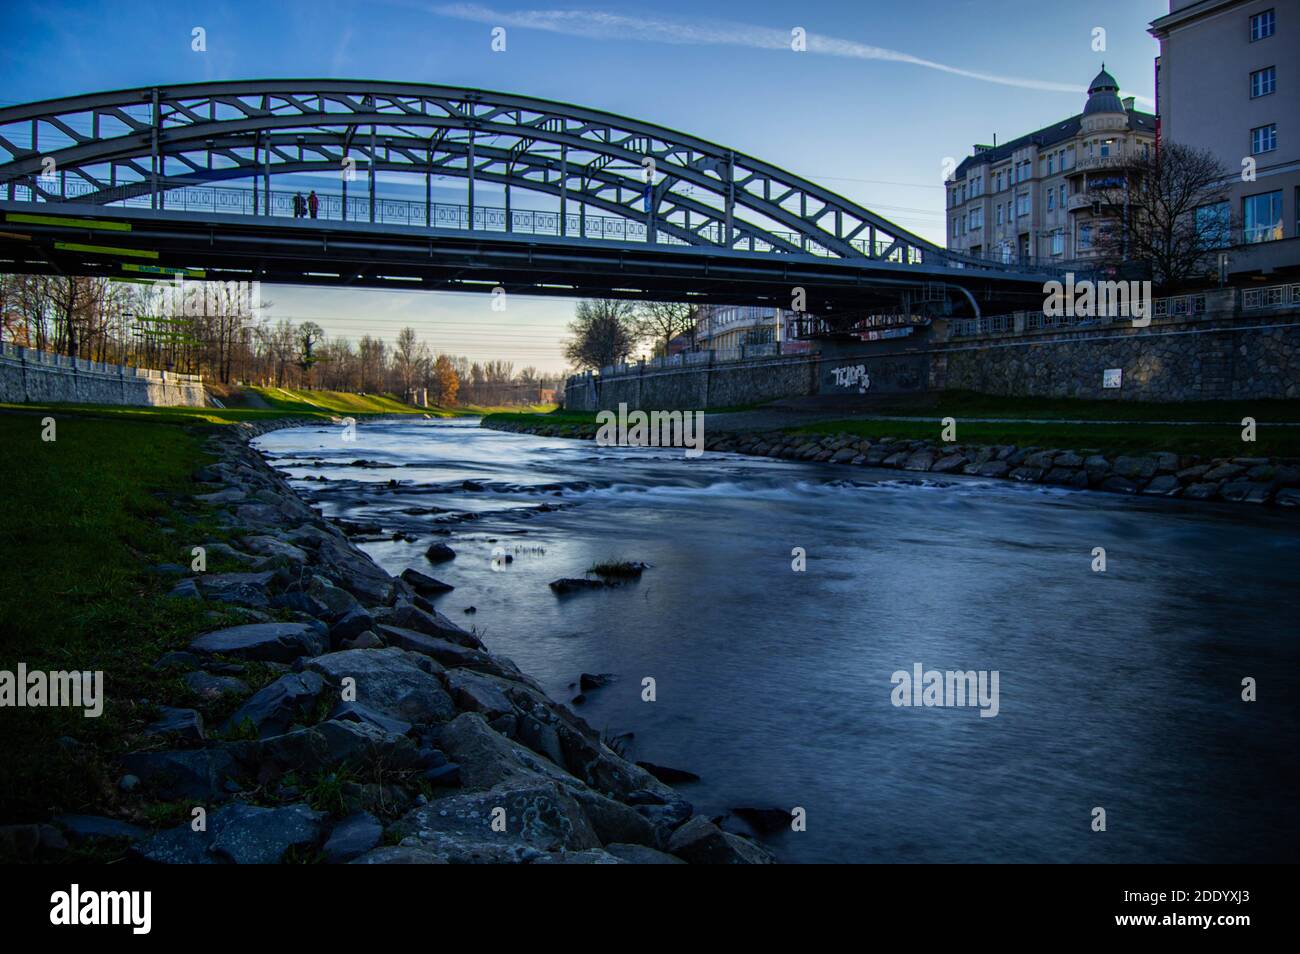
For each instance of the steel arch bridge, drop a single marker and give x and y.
(591, 203)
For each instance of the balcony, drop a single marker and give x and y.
(1095, 163)
(1083, 200)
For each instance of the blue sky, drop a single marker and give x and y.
(856, 113)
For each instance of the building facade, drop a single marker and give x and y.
(1031, 199)
(731, 327)
(1228, 81)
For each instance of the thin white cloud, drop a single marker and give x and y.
(597, 25)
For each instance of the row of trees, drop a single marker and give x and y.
(218, 332)
(606, 331)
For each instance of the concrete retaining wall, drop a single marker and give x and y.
(1213, 356)
(28, 376)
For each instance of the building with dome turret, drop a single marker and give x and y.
(1035, 198)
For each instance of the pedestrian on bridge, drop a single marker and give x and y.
(313, 203)
(298, 205)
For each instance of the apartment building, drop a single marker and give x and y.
(729, 327)
(1030, 199)
(1228, 80)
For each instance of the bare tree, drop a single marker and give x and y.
(661, 321)
(1169, 214)
(604, 332)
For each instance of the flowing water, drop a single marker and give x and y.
(1118, 689)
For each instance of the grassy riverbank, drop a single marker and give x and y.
(87, 515)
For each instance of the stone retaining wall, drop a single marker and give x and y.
(28, 376)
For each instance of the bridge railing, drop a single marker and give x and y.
(1176, 306)
(186, 196)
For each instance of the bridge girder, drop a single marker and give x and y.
(699, 192)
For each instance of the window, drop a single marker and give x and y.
(1062, 195)
(976, 219)
(1263, 139)
(1214, 225)
(1051, 198)
(999, 213)
(1262, 25)
(1022, 204)
(1263, 82)
(1085, 237)
(1058, 242)
(1262, 216)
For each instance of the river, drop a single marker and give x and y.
(1118, 690)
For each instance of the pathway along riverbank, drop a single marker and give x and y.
(1272, 481)
(384, 732)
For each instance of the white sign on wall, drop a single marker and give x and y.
(1112, 377)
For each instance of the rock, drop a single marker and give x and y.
(1201, 491)
(994, 468)
(1243, 491)
(353, 571)
(186, 724)
(352, 837)
(1096, 464)
(197, 773)
(128, 783)
(252, 835)
(237, 833)
(366, 640)
(331, 745)
(439, 553)
(1287, 497)
(392, 681)
(474, 692)
(273, 709)
(701, 842)
(449, 654)
(265, 642)
(1135, 468)
(921, 460)
(488, 758)
(1165, 485)
(211, 688)
(301, 603)
(587, 681)
(425, 585)
(1193, 473)
(948, 464)
(576, 585)
(1119, 485)
(1067, 459)
(267, 545)
(589, 856)
(356, 712)
(764, 820)
(185, 590)
(1166, 462)
(614, 821)
(1067, 477)
(540, 817)
(641, 855)
(1222, 472)
(429, 622)
(667, 775)
(842, 456)
(1031, 475)
(80, 828)
(400, 855)
(238, 589)
(337, 600)
(350, 625)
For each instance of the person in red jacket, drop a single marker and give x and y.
(313, 203)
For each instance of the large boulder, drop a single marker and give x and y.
(701, 842)
(431, 623)
(236, 834)
(399, 684)
(424, 584)
(449, 654)
(274, 708)
(262, 642)
(328, 746)
(353, 837)
(355, 572)
(400, 855)
(538, 816)
(195, 773)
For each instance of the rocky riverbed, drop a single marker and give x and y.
(1253, 480)
(383, 732)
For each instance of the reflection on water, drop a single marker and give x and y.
(1118, 689)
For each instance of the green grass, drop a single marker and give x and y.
(85, 518)
(969, 404)
(338, 402)
(1218, 440)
